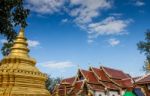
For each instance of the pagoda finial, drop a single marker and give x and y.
(20, 45)
(21, 33)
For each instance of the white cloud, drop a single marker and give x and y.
(87, 9)
(109, 26)
(3, 41)
(58, 65)
(83, 12)
(45, 6)
(33, 43)
(64, 20)
(113, 42)
(139, 3)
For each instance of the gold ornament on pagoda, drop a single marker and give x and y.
(18, 74)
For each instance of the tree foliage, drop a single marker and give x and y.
(51, 83)
(12, 14)
(144, 47)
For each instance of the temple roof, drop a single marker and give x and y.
(69, 80)
(100, 73)
(98, 79)
(96, 87)
(115, 73)
(144, 80)
(89, 76)
(124, 83)
(79, 85)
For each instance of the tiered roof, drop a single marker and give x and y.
(98, 79)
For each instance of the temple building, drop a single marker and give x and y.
(101, 81)
(18, 74)
(144, 83)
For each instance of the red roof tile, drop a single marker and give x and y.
(124, 83)
(128, 82)
(144, 80)
(98, 79)
(111, 85)
(68, 80)
(114, 73)
(100, 73)
(97, 87)
(89, 75)
(78, 85)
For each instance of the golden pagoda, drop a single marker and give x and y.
(18, 73)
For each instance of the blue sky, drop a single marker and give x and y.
(66, 34)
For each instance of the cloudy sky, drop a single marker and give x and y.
(64, 35)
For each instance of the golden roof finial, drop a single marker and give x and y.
(20, 45)
(21, 33)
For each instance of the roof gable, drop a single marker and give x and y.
(114, 73)
(89, 76)
(101, 74)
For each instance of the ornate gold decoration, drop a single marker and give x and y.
(18, 73)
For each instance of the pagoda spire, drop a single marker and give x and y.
(20, 46)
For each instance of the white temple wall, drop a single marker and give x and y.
(97, 93)
(113, 93)
(110, 93)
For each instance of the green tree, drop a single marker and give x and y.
(12, 14)
(51, 83)
(144, 47)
